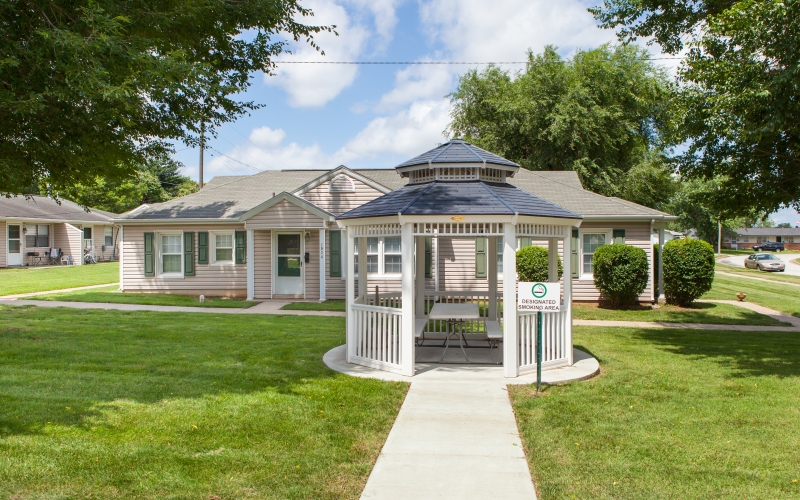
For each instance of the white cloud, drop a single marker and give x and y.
(267, 137)
(419, 82)
(313, 85)
(384, 18)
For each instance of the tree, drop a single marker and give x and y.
(93, 89)
(602, 113)
(739, 92)
(784, 225)
(156, 181)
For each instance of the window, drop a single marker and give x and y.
(37, 235)
(171, 247)
(108, 236)
(591, 242)
(222, 253)
(341, 184)
(384, 256)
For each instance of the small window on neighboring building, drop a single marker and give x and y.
(591, 242)
(171, 254)
(223, 248)
(108, 236)
(342, 184)
(37, 236)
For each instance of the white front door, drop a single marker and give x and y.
(289, 264)
(14, 256)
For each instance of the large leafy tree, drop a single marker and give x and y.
(94, 88)
(740, 92)
(602, 113)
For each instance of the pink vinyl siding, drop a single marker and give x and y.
(262, 268)
(3, 243)
(338, 202)
(284, 215)
(209, 279)
(69, 239)
(311, 269)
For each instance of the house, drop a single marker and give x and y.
(668, 236)
(33, 224)
(275, 235)
(745, 238)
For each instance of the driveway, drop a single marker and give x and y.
(793, 269)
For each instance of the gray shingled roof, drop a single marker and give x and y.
(458, 198)
(44, 208)
(768, 231)
(457, 151)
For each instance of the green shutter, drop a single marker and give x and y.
(149, 254)
(480, 257)
(241, 246)
(619, 236)
(335, 252)
(575, 251)
(524, 242)
(202, 247)
(428, 257)
(188, 254)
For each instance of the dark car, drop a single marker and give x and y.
(770, 246)
(765, 262)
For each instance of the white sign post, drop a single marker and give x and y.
(542, 298)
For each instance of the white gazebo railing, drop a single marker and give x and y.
(375, 336)
(555, 346)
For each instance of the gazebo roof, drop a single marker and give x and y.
(457, 151)
(459, 198)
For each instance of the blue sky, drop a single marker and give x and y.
(322, 116)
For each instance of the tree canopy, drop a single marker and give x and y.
(604, 113)
(94, 88)
(739, 98)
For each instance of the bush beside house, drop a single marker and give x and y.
(688, 270)
(532, 264)
(620, 273)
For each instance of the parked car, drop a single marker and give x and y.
(771, 246)
(764, 262)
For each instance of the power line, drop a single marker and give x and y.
(442, 62)
(220, 153)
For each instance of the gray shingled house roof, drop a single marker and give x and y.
(229, 197)
(37, 207)
(462, 198)
(457, 151)
(768, 231)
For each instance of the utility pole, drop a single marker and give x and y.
(202, 150)
(719, 238)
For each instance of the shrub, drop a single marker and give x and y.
(532, 264)
(620, 273)
(688, 270)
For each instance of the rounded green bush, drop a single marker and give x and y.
(620, 273)
(688, 270)
(532, 264)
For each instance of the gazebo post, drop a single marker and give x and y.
(491, 256)
(407, 304)
(420, 275)
(350, 290)
(510, 335)
(362, 269)
(567, 266)
(552, 260)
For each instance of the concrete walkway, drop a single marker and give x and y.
(455, 435)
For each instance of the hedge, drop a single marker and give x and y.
(688, 270)
(532, 264)
(620, 273)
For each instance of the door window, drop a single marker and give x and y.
(289, 263)
(13, 239)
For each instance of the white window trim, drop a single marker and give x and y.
(160, 262)
(600, 230)
(381, 260)
(110, 230)
(212, 244)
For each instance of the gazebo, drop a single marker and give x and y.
(456, 190)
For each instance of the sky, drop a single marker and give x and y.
(375, 116)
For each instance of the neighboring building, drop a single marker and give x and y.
(274, 235)
(34, 224)
(668, 236)
(747, 237)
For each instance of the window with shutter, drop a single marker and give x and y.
(428, 257)
(480, 257)
(619, 236)
(241, 247)
(149, 254)
(335, 253)
(188, 254)
(202, 247)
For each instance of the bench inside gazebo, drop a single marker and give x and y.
(456, 190)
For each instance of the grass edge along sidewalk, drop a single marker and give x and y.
(674, 414)
(112, 295)
(164, 406)
(42, 279)
(783, 298)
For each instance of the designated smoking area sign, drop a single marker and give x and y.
(541, 298)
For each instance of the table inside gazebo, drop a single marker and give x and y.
(454, 314)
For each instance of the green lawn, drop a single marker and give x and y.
(112, 295)
(727, 251)
(674, 414)
(743, 271)
(145, 405)
(328, 305)
(42, 279)
(720, 314)
(784, 298)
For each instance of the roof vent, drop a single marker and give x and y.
(342, 184)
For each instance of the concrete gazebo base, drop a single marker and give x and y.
(583, 367)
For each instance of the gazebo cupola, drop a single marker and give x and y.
(456, 191)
